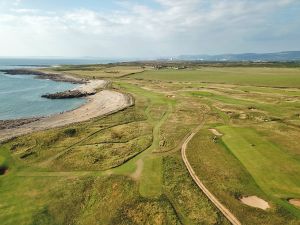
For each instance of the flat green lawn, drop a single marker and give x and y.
(151, 179)
(273, 169)
(277, 77)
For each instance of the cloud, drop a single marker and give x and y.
(23, 10)
(176, 27)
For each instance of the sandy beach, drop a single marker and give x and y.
(102, 103)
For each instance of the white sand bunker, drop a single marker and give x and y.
(295, 202)
(256, 202)
(215, 132)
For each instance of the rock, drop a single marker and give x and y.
(68, 94)
(8, 124)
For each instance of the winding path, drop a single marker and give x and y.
(233, 220)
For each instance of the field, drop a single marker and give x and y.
(273, 77)
(126, 168)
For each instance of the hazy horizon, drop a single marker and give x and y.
(147, 28)
(133, 58)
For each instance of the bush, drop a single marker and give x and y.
(71, 132)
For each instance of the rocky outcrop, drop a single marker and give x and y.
(68, 94)
(45, 75)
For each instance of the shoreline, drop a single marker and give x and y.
(58, 77)
(99, 103)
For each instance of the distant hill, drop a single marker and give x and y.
(278, 56)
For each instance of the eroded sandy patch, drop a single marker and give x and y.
(215, 132)
(295, 202)
(139, 168)
(256, 202)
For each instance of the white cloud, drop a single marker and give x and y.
(24, 10)
(179, 26)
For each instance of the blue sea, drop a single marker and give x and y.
(20, 95)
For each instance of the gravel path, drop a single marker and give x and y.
(233, 220)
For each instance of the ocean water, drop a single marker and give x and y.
(20, 95)
(33, 62)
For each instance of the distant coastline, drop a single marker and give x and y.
(44, 75)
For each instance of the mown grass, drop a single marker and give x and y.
(229, 179)
(273, 169)
(22, 197)
(151, 179)
(273, 77)
(98, 71)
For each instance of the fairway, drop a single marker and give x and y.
(275, 171)
(272, 77)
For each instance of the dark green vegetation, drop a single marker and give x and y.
(126, 168)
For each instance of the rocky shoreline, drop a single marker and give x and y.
(88, 88)
(68, 94)
(9, 124)
(45, 75)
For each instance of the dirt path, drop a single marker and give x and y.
(139, 168)
(211, 197)
(103, 103)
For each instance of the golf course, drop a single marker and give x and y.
(194, 143)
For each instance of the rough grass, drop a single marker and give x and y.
(226, 177)
(186, 115)
(143, 211)
(111, 200)
(190, 203)
(99, 144)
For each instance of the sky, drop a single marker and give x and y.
(147, 28)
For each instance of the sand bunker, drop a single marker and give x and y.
(256, 202)
(215, 132)
(295, 202)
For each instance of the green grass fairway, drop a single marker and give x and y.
(277, 77)
(151, 180)
(275, 171)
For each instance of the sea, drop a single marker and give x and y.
(20, 95)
